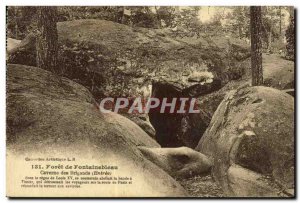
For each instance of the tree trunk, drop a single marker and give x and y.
(47, 38)
(119, 14)
(270, 34)
(280, 21)
(270, 41)
(291, 11)
(157, 16)
(16, 21)
(240, 30)
(256, 45)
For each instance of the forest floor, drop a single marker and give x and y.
(202, 186)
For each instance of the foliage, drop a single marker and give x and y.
(184, 21)
(142, 17)
(167, 14)
(240, 21)
(67, 13)
(20, 21)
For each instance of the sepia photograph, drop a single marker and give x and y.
(150, 102)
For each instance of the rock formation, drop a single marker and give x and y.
(54, 116)
(251, 139)
(181, 162)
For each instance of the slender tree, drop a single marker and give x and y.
(291, 11)
(47, 38)
(280, 20)
(290, 36)
(256, 45)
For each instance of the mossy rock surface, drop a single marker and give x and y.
(117, 60)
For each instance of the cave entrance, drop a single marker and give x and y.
(179, 129)
(166, 125)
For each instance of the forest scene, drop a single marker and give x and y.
(238, 62)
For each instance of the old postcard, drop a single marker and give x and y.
(150, 101)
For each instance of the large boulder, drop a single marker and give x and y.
(116, 60)
(251, 139)
(113, 59)
(142, 120)
(278, 73)
(181, 162)
(51, 116)
(21, 52)
(208, 104)
(11, 44)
